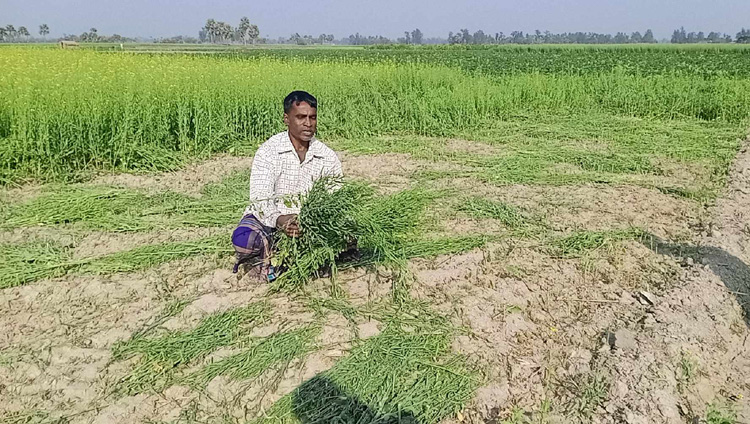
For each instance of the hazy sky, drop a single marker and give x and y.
(158, 18)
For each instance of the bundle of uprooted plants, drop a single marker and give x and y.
(342, 224)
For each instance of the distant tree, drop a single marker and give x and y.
(466, 37)
(648, 37)
(479, 37)
(743, 37)
(679, 36)
(43, 30)
(23, 32)
(360, 40)
(675, 37)
(517, 37)
(10, 31)
(417, 36)
(636, 37)
(407, 37)
(93, 35)
(254, 33)
(244, 32)
(701, 37)
(621, 38)
(209, 30)
(225, 31)
(3, 34)
(244, 28)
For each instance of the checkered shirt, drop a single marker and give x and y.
(277, 175)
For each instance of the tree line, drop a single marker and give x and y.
(679, 36)
(9, 33)
(464, 36)
(246, 32)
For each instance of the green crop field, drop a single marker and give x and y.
(524, 189)
(63, 113)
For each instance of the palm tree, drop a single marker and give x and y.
(210, 28)
(23, 32)
(226, 31)
(43, 30)
(253, 33)
(244, 28)
(10, 30)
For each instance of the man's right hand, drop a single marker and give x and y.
(288, 224)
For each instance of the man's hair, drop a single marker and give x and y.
(296, 97)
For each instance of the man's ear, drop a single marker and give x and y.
(286, 119)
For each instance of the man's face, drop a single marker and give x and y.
(302, 121)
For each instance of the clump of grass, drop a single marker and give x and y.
(688, 370)
(587, 392)
(148, 256)
(164, 356)
(170, 310)
(321, 305)
(720, 414)
(579, 243)
(31, 416)
(333, 215)
(280, 348)
(22, 264)
(98, 207)
(479, 207)
(405, 374)
(221, 204)
(27, 262)
(116, 209)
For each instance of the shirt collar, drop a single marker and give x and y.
(286, 146)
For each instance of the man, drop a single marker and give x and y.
(284, 166)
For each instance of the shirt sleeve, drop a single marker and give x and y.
(262, 195)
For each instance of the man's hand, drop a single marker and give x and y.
(288, 224)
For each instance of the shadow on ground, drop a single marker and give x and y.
(734, 273)
(319, 401)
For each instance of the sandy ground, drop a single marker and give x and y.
(541, 328)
